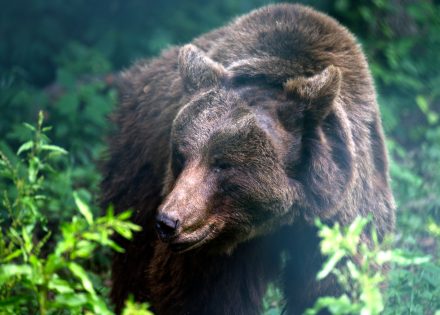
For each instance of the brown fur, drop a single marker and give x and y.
(241, 139)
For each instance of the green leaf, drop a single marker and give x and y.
(59, 285)
(84, 249)
(40, 118)
(115, 246)
(12, 255)
(330, 264)
(25, 147)
(405, 259)
(53, 263)
(132, 308)
(99, 307)
(83, 208)
(71, 299)
(423, 104)
(124, 215)
(30, 127)
(33, 169)
(8, 271)
(53, 148)
(91, 236)
(124, 231)
(81, 274)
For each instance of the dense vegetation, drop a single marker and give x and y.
(58, 57)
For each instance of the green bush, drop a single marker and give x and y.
(44, 267)
(356, 268)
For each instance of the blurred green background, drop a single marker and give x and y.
(58, 56)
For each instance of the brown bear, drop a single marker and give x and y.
(228, 148)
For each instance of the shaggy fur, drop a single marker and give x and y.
(231, 146)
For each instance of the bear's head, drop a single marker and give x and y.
(250, 153)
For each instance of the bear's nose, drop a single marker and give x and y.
(166, 226)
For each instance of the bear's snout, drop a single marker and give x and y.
(166, 226)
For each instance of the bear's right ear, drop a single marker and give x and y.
(198, 70)
(318, 91)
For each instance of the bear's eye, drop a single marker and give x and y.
(219, 165)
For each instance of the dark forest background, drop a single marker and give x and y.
(59, 57)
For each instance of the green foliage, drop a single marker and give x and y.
(416, 289)
(132, 308)
(273, 301)
(43, 269)
(356, 268)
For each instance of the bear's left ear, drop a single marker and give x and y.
(325, 170)
(317, 92)
(198, 70)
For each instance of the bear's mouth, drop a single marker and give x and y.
(185, 242)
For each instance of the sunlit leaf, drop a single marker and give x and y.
(25, 147)
(83, 208)
(53, 148)
(81, 274)
(59, 285)
(8, 271)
